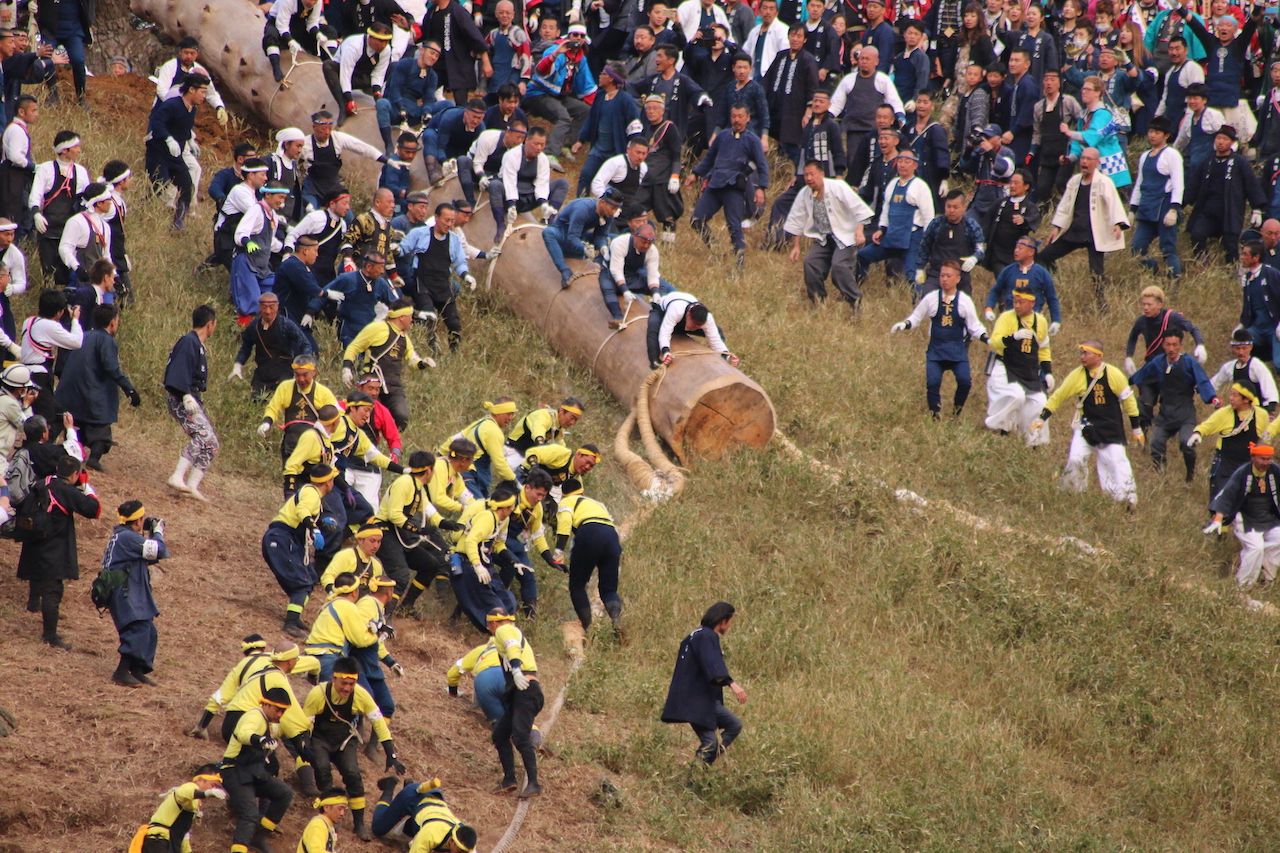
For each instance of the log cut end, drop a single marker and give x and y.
(732, 412)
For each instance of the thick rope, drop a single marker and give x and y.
(281, 85)
(622, 328)
(506, 235)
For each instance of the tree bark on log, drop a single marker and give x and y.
(703, 406)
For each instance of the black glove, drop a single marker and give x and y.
(453, 690)
(386, 631)
(411, 527)
(393, 763)
(550, 558)
(451, 526)
(135, 399)
(395, 467)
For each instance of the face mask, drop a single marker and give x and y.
(1104, 28)
(1082, 41)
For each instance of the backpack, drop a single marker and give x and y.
(19, 476)
(104, 587)
(34, 516)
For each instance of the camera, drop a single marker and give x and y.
(150, 523)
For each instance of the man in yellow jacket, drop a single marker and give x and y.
(545, 425)
(489, 465)
(413, 547)
(295, 404)
(1235, 428)
(383, 347)
(481, 544)
(447, 488)
(420, 815)
(321, 833)
(291, 542)
(169, 830)
(248, 779)
(1106, 400)
(521, 706)
(254, 658)
(1022, 372)
(596, 549)
(488, 681)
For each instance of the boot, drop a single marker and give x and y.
(180, 215)
(614, 609)
(388, 785)
(178, 480)
(193, 484)
(96, 451)
(388, 146)
(33, 600)
(49, 618)
(434, 173)
(371, 746)
(261, 840)
(307, 780)
(143, 677)
(276, 72)
(123, 676)
(530, 790)
(410, 598)
(363, 832)
(294, 627)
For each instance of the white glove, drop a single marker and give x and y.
(216, 793)
(1024, 335)
(968, 263)
(1129, 367)
(189, 403)
(629, 297)
(484, 182)
(944, 188)
(897, 327)
(512, 213)
(705, 100)
(307, 320)
(520, 680)
(547, 211)
(348, 378)
(295, 49)
(237, 371)
(523, 568)
(1212, 527)
(1054, 328)
(1201, 354)
(910, 106)
(335, 295)
(673, 184)
(1049, 382)
(482, 575)
(398, 669)
(1255, 219)
(15, 351)
(426, 316)
(263, 429)
(1195, 439)
(589, 251)
(175, 150)
(1170, 218)
(470, 281)
(921, 277)
(989, 314)
(42, 224)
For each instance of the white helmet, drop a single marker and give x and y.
(16, 376)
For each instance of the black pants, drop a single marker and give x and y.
(394, 399)
(97, 437)
(596, 548)
(46, 598)
(1051, 177)
(246, 785)
(667, 207)
(407, 565)
(1202, 229)
(437, 297)
(330, 753)
(1166, 429)
(50, 263)
(514, 729)
(1062, 247)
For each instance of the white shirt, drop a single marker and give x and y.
(46, 177)
(169, 79)
(16, 143)
(314, 223)
(1169, 164)
(1210, 121)
(1258, 372)
(618, 248)
(17, 265)
(42, 338)
(674, 306)
(483, 147)
(614, 169)
(512, 161)
(928, 307)
(350, 52)
(689, 13)
(255, 218)
(282, 12)
(341, 142)
(775, 42)
(845, 211)
(883, 85)
(1189, 73)
(80, 229)
(919, 196)
(241, 198)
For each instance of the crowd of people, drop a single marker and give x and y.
(1074, 123)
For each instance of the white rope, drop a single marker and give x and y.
(281, 85)
(493, 262)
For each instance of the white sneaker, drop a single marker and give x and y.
(179, 479)
(668, 236)
(449, 169)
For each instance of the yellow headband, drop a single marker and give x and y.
(125, 519)
(208, 777)
(324, 478)
(336, 800)
(285, 654)
(1087, 348)
(1024, 294)
(373, 34)
(573, 410)
(344, 590)
(376, 584)
(254, 644)
(591, 453)
(511, 501)
(304, 364)
(1244, 392)
(399, 312)
(497, 617)
(265, 701)
(357, 404)
(351, 675)
(424, 469)
(366, 532)
(507, 408)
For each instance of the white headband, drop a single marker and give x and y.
(127, 173)
(12, 226)
(70, 143)
(106, 196)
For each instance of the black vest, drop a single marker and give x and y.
(326, 167)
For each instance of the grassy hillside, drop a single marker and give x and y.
(914, 684)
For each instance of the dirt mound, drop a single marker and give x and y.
(91, 759)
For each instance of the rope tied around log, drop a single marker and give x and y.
(283, 84)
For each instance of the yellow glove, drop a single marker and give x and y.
(222, 116)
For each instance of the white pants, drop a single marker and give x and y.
(1012, 408)
(1242, 119)
(1259, 553)
(514, 459)
(367, 483)
(191, 156)
(1114, 474)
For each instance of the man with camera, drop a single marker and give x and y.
(137, 542)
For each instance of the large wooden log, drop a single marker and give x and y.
(230, 35)
(702, 407)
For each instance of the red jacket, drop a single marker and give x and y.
(384, 425)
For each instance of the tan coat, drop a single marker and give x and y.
(1106, 209)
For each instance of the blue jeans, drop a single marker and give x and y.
(709, 748)
(490, 687)
(389, 113)
(933, 371)
(1144, 232)
(479, 478)
(637, 284)
(874, 253)
(559, 247)
(431, 145)
(74, 45)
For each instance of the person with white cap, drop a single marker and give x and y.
(1243, 368)
(54, 190)
(17, 165)
(15, 262)
(186, 377)
(86, 237)
(256, 241)
(907, 209)
(994, 169)
(170, 130)
(322, 155)
(14, 381)
(117, 176)
(282, 166)
(240, 198)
